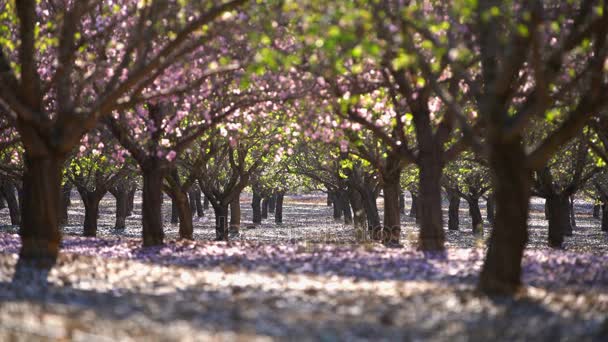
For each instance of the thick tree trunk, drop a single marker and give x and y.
(392, 219)
(39, 231)
(605, 217)
(278, 212)
(122, 205)
(8, 192)
(66, 193)
(152, 199)
(596, 210)
(264, 208)
(272, 203)
(235, 215)
(432, 237)
(475, 213)
(221, 222)
(91, 211)
(501, 272)
(558, 209)
(414, 207)
(453, 210)
(256, 208)
(346, 212)
(572, 217)
(490, 209)
(200, 212)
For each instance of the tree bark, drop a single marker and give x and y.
(152, 199)
(475, 213)
(346, 212)
(256, 208)
(453, 210)
(265, 208)
(66, 193)
(490, 209)
(329, 199)
(432, 237)
(205, 203)
(221, 222)
(392, 219)
(272, 202)
(91, 201)
(192, 201)
(184, 211)
(402, 203)
(131, 200)
(235, 215)
(371, 212)
(356, 202)
(414, 207)
(39, 231)
(200, 212)
(278, 212)
(558, 209)
(174, 212)
(337, 201)
(596, 210)
(7, 191)
(605, 217)
(2, 202)
(572, 217)
(501, 272)
(122, 205)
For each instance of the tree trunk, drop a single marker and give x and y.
(402, 203)
(414, 207)
(205, 203)
(192, 201)
(374, 225)
(131, 201)
(264, 208)
(184, 212)
(66, 193)
(278, 213)
(337, 201)
(122, 206)
(272, 202)
(2, 202)
(91, 211)
(432, 237)
(39, 231)
(572, 217)
(329, 199)
(596, 210)
(174, 211)
(453, 211)
(8, 192)
(221, 224)
(558, 209)
(346, 212)
(257, 208)
(235, 215)
(392, 219)
(200, 212)
(152, 199)
(475, 213)
(356, 202)
(490, 209)
(501, 272)
(605, 216)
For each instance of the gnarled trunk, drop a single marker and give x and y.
(39, 231)
(453, 210)
(501, 272)
(278, 212)
(392, 219)
(558, 210)
(475, 213)
(235, 215)
(152, 199)
(256, 208)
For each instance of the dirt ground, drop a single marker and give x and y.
(307, 279)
